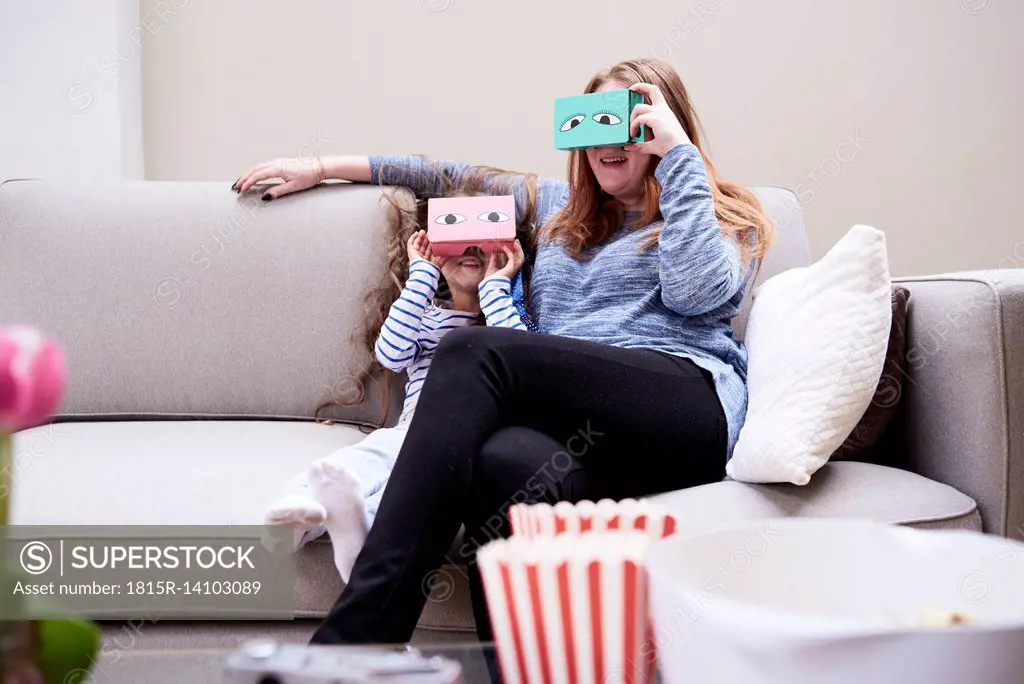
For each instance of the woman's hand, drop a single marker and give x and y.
(302, 173)
(419, 248)
(297, 174)
(659, 118)
(512, 260)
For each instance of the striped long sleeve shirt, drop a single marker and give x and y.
(415, 325)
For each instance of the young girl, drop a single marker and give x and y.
(341, 493)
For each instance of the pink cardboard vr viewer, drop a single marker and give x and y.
(456, 223)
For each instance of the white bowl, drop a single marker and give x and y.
(795, 601)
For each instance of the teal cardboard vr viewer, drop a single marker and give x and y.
(595, 119)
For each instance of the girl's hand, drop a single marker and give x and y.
(659, 118)
(297, 174)
(419, 248)
(512, 260)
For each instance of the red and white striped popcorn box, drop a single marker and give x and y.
(569, 609)
(537, 520)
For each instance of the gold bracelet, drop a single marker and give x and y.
(321, 174)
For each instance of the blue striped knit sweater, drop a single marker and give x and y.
(678, 298)
(415, 324)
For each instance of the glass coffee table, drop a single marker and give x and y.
(208, 665)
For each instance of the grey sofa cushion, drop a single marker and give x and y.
(963, 397)
(162, 472)
(842, 490)
(194, 472)
(186, 299)
(225, 472)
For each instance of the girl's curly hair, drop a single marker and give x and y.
(402, 221)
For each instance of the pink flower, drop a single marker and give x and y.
(32, 378)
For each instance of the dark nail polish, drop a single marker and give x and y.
(267, 197)
(234, 186)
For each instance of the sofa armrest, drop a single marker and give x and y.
(964, 390)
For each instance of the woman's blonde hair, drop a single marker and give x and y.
(592, 215)
(401, 222)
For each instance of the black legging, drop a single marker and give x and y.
(508, 416)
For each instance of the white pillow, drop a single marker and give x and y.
(816, 340)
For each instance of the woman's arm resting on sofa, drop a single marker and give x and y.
(426, 177)
(302, 173)
(350, 167)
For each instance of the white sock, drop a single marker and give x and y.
(301, 510)
(339, 492)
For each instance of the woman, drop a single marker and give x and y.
(638, 387)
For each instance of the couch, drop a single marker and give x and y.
(203, 329)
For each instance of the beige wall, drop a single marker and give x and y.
(905, 115)
(70, 90)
